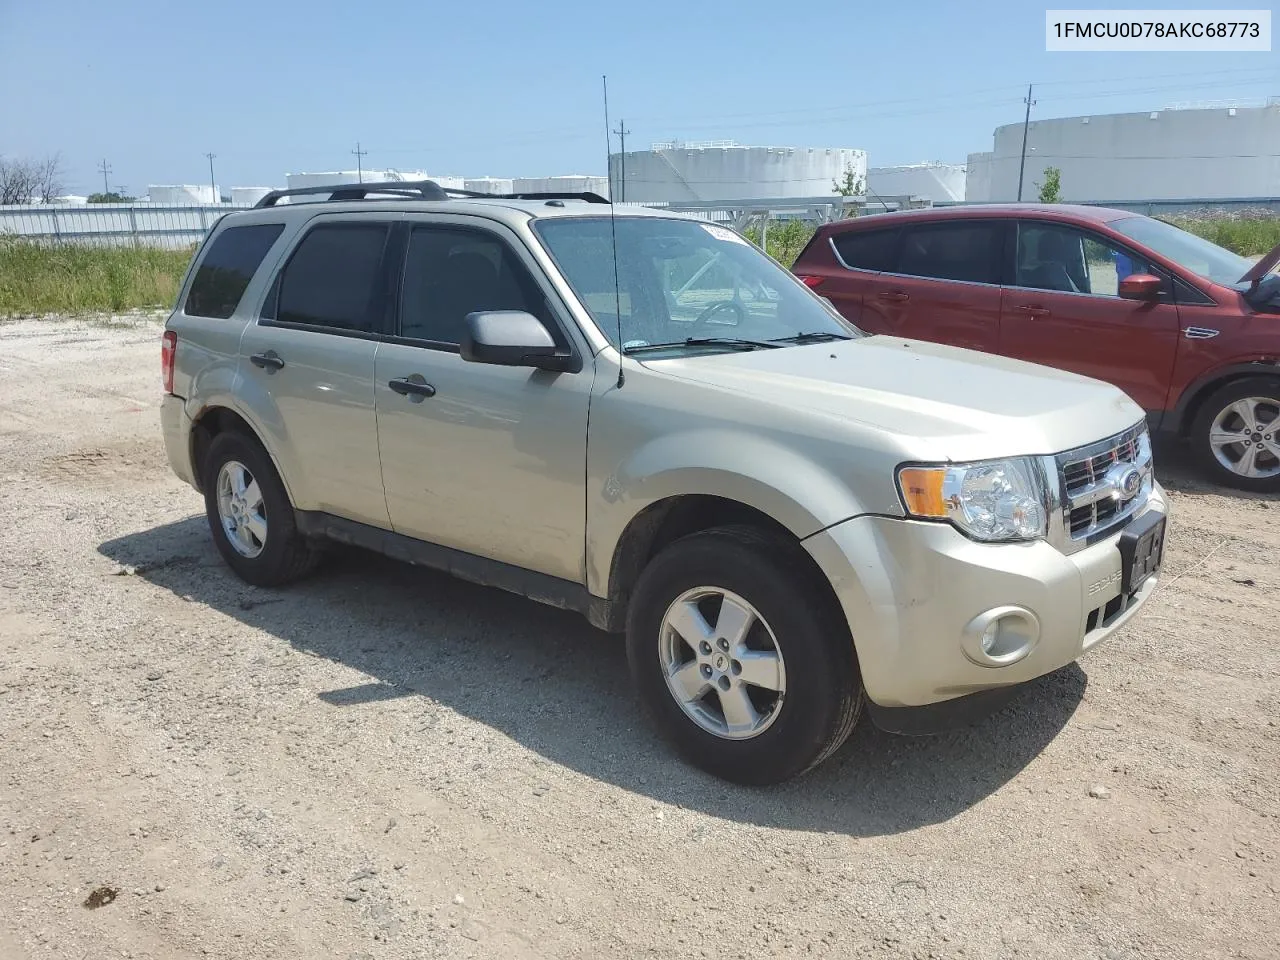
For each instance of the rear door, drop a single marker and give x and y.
(943, 285)
(844, 268)
(1063, 309)
(307, 365)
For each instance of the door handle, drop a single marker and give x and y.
(414, 387)
(269, 361)
(1032, 310)
(895, 295)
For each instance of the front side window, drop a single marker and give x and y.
(681, 280)
(1054, 257)
(952, 251)
(451, 272)
(1190, 252)
(330, 279)
(227, 267)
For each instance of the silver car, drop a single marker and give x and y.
(643, 418)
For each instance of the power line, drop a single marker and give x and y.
(104, 168)
(622, 132)
(213, 184)
(1026, 122)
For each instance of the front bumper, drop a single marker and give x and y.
(910, 589)
(175, 425)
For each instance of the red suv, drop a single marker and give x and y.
(1189, 330)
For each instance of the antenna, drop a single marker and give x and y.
(613, 233)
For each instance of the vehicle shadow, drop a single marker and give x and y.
(548, 680)
(1176, 469)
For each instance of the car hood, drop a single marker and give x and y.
(946, 402)
(1264, 266)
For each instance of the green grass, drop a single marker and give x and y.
(1247, 237)
(38, 279)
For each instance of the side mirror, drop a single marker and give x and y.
(510, 338)
(1141, 286)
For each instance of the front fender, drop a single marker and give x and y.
(732, 464)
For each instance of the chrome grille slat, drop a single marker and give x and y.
(1094, 503)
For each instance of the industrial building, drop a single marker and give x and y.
(1184, 152)
(936, 182)
(183, 194)
(725, 170)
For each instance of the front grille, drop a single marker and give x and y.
(1105, 483)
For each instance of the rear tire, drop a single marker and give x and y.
(719, 705)
(1250, 410)
(250, 516)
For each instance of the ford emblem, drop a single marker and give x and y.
(1130, 483)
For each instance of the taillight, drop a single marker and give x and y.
(168, 347)
(811, 282)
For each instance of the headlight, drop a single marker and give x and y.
(999, 500)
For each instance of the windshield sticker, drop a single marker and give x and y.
(720, 233)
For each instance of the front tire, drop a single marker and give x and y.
(1236, 435)
(745, 664)
(250, 515)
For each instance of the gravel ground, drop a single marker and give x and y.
(386, 763)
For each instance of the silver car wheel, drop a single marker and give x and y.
(1245, 437)
(722, 663)
(241, 511)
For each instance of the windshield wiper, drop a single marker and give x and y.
(734, 343)
(815, 337)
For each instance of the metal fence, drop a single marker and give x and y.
(113, 224)
(178, 226)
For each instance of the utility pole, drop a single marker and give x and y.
(1026, 122)
(360, 155)
(104, 168)
(622, 132)
(213, 185)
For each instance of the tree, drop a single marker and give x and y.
(31, 181)
(850, 184)
(111, 197)
(1051, 189)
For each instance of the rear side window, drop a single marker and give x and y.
(867, 249)
(227, 267)
(952, 251)
(330, 279)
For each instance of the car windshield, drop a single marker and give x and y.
(1193, 253)
(683, 280)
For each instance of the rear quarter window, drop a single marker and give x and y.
(866, 249)
(227, 267)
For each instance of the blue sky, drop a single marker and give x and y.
(510, 88)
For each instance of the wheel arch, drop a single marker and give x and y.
(1194, 396)
(216, 419)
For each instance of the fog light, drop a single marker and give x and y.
(1001, 636)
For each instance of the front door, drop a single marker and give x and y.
(944, 285)
(485, 459)
(307, 368)
(1064, 310)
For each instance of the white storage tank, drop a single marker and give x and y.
(938, 182)
(488, 184)
(724, 170)
(1184, 152)
(248, 196)
(572, 183)
(183, 194)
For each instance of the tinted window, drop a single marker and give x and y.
(1053, 257)
(329, 280)
(866, 249)
(227, 267)
(952, 251)
(450, 273)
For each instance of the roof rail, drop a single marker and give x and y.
(414, 189)
(586, 196)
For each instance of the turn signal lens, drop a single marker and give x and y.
(922, 491)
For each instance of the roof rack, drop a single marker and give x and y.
(414, 190)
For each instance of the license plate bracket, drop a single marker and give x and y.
(1141, 551)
